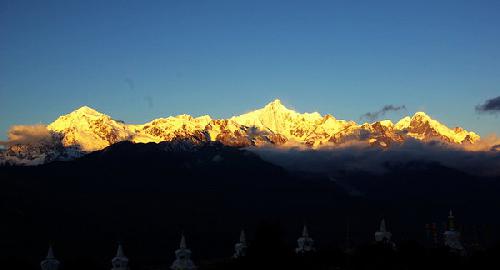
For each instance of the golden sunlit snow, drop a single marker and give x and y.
(273, 124)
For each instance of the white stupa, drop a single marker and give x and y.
(452, 237)
(120, 261)
(50, 262)
(183, 257)
(240, 248)
(382, 235)
(305, 243)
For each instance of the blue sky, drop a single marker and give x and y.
(140, 60)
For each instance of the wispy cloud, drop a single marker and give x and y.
(489, 106)
(149, 101)
(372, 116)
(130, 83)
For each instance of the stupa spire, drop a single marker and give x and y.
(382, 226)
(243, 237)
(50, 253)
(305, 243)
(50, 262)
(240, 248)
(182, 244)
(383, 236)
(120, 261)
(183, 257)
(452, 237)
(119, 252)
(451, 221)
(305, 232)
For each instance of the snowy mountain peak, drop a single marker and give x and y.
(275, 105)
(78, 118)
(89, 129)
(276, 118)
(422, 127)
(86, 110)
(274, 124)
(421, 115)
(275, 108)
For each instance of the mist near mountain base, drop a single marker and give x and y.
(359, 157)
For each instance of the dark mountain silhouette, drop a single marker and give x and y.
(145, 195)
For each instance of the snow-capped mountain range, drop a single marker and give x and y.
(86, 130)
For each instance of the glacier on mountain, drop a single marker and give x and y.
(86, 130)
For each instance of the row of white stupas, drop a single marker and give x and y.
(120, 261)
(451, 236)
(305, 244)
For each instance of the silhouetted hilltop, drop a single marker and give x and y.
(145, 195)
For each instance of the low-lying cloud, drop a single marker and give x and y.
(480, 158)
(489, 106)
(28, 134)
(360, 157)
(372, 116)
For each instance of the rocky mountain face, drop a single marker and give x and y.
(87, 130)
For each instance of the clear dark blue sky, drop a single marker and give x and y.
(139, 60)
